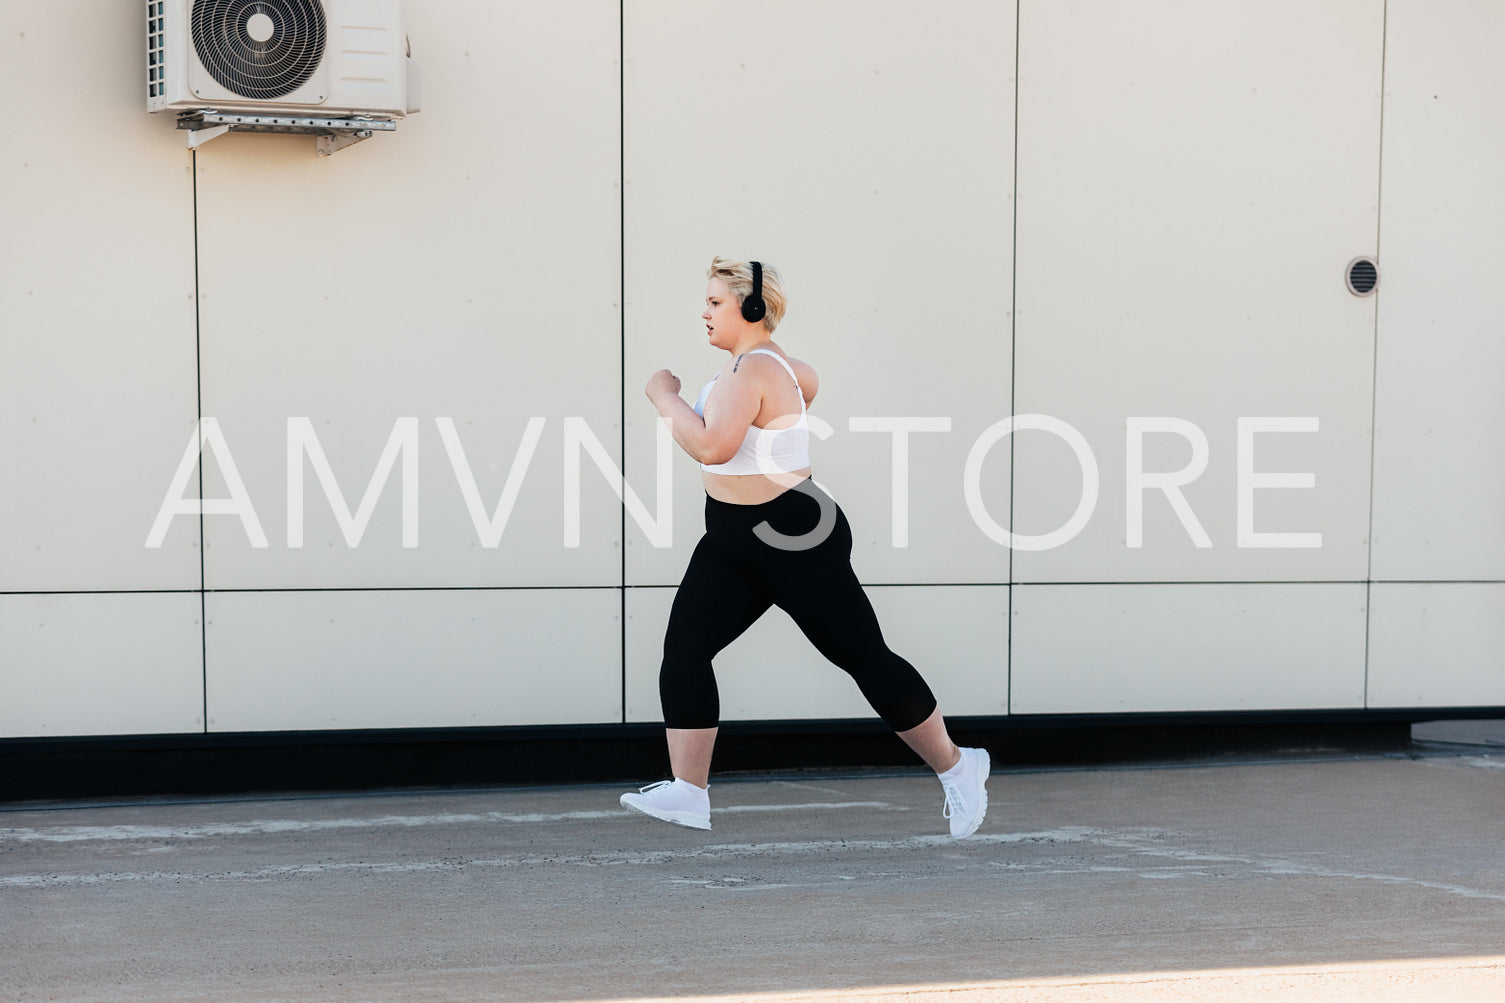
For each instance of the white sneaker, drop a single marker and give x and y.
(677, 801)
(967, 796)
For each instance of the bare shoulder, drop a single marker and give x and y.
(768, 372)
(805, 373)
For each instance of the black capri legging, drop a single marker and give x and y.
(735, 575)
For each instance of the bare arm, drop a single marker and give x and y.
(716, 437)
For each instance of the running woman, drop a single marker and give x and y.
(773, 538)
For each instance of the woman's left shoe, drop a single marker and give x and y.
(677, 801)
(967, 795)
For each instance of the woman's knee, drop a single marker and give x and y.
(687, 693)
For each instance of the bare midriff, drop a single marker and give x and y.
(750, 489)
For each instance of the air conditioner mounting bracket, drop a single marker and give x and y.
(333, 134)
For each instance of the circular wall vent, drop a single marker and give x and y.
(259, 49)
(1362, 276)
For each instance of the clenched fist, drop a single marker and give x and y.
(661, 382)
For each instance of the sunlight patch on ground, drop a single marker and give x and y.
(1435, 980)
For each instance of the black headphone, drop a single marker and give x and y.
(753, 307)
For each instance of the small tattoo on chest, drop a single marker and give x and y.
(738, 362)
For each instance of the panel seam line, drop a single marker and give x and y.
(1013, 365)
(198, 368)
(1374, 385)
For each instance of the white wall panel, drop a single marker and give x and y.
(956, 636)
(466, 266)
(97, 392)
(1437, 645)
(101, 664)
(866, 151)
(1439, 464)
(1193, 180)
(1090, 649)
(413, 659)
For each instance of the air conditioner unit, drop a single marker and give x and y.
(325, 58)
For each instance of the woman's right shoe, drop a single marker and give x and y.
(677, 801)
(967, 795)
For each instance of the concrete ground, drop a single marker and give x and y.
(1329, 877)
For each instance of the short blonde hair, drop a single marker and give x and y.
(737, 276)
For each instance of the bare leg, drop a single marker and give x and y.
(690, 753)
(933, 743)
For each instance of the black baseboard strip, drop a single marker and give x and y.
(310, 762)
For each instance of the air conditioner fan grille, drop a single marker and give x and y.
(156, 50)
(224, 36)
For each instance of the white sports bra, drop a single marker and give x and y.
(765, 450)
